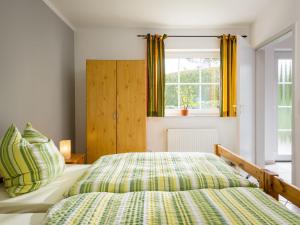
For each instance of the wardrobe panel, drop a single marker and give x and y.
(101, 108)
(131, 106)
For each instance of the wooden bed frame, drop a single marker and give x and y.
(268, 180)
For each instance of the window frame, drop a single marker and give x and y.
(192, 53)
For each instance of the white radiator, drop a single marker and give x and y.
(192, 140)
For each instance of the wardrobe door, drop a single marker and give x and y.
(101, 108)
(131, 106)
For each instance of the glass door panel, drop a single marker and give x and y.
(285, 107)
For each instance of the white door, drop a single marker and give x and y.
(246, 100)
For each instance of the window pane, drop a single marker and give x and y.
(189, 96)
(210, 75)
(171, 77)
(171, 93)
(171, 70)
(209, 96)
(189, 70)
(189, 76)
(284, 118)
(285, 70)
(285, 94)
(284, 142)
(210, 62)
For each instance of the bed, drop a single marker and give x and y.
(159, 171)
(240, 205)
(229, 205)
(203, 206)
(43, 198)
(22, 219)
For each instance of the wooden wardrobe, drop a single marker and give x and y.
(116, 107)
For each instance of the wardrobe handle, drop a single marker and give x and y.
(115, 116)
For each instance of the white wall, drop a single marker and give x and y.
(114, 43)
(36, 69)
(277, 17)
(260, 114)
(246, 100)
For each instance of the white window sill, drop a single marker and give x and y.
(191, 113)
(194, 115)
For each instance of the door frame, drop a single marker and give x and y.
(259, 142)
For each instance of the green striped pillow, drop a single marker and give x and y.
(25, 166)
(33, 136)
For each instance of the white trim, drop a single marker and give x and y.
(192, 50)
(284, 130)
(198, 83)
(285, 106)
(193, 53)
(287, 30)
(285, 82)
(59, 14)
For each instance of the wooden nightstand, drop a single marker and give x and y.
(76, 158)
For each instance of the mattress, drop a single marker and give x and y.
(43, 198)
(158, 171)
(22, 219)
(204, 206)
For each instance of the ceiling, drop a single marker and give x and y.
(159, 13)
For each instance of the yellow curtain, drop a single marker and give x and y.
(155, 75)
(228, 45)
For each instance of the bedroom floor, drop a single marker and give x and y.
(284, 171)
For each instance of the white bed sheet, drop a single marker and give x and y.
(43, 198)
(22, 219)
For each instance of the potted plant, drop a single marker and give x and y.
(186, 100)
(184, 111)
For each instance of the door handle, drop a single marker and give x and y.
(115, 116)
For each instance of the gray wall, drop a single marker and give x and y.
(36, 69)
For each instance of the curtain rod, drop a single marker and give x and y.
(195, 36)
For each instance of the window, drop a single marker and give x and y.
(192, 80)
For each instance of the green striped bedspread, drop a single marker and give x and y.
(160, 171)
(204, 206)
